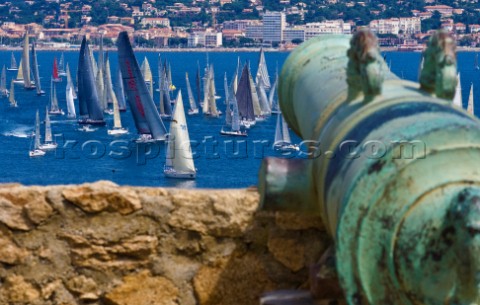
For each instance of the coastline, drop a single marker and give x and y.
(212, 50)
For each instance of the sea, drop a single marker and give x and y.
(221, 161)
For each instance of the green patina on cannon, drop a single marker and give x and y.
(393, 169)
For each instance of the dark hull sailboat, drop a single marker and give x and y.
(89, 105)
(147, 119)
(245, 99)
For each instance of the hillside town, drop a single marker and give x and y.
(234, 24)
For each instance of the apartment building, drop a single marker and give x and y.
(274, 24)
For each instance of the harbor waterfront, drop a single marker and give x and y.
(221, 161)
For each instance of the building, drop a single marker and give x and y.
(409, 25)
(273, 26)
(444, 10)
(155, 22)
(208, 38)
(255, 32)
(239, 25)
(294, 33)
(327, 27)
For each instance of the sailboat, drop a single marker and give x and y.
(54, 109)
(70, 81)
(55, 77)
(61, 66)
(19, 78)
(27, 82)
(13, 63)
(11, 98)
(457, 98)
(191, 99)
(273, 97)
(245, 100)
(89, 106)
(470, 106)
(48, 144)
(3, 83)
(145, 114)
(475, 65)
(232, 120)
(282, 140)
(179, 162)
(36, 74)
(70, 104)
(262, 95)
(120, 92)
(257, 110)
(209, 106)
(36, 151)
(117, 122)
(109, 94)
(262, 71)
(164, 105)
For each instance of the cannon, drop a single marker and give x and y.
(392, 167)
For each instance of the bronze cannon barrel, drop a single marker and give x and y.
(395, 175)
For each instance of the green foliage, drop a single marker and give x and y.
(432, 23)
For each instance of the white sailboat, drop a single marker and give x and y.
(147, 75)
(282, 140)
(109, 94)
(470, 106)
(457, 98)
(179, 162)
(11, 98)
(19, 78)
(232, 118)
(70, 104)
(54, 109)
(262, 71)
(273, 97)
(27, 82)
(61, 66)
(191, 99)
(3, 83)
(49, 144)
(35, 151)
(70, 81)
(13, 64)
(117, 122)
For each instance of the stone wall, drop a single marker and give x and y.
(104, 244)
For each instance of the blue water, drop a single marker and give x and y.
(222, 162)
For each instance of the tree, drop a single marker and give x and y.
(297, 41)
(433, 23)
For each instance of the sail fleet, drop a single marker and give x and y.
(247, 99)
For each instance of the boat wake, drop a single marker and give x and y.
(18, 132)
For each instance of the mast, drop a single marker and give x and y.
(179, 152)
(145, 113)
(26, 63)
(36, 74)
(191, 99)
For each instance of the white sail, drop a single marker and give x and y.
(262, 71)
(457, 99)
(206, 90)
(273, 98)
(285, 132)
(256, 102)
(278, 131)
(11, 98)
(3, 83)
(117, 122)
(101, 89)
(470, 107)
(264, 105)
(70, 81)
(212, 103)
(48, 128)
(110, 94)
(70, 104)
(13, 63)
(179, 152)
